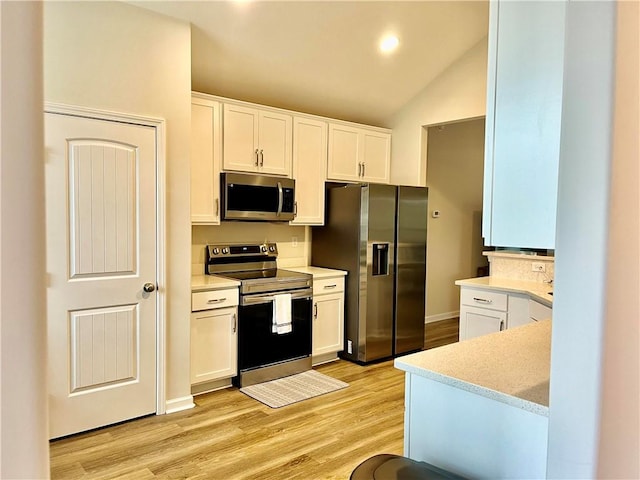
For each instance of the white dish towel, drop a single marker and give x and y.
(281, 313)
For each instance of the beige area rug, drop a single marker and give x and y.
(295, 388)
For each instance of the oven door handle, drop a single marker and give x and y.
(257, 299)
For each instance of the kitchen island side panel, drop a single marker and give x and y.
(471, 435)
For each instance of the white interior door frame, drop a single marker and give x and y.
(159, 125)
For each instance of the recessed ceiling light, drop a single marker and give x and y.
(389, 43)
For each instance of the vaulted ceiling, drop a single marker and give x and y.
(322, 57)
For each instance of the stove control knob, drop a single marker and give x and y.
(225, 250)
(272, 248)
(263, 248)
(216, 251)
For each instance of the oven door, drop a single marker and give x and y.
(258, 346)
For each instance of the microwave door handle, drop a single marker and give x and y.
(280, 199)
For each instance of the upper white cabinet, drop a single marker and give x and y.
(358, 154)
(522, 144)
(309, 170)
(256, 141)
(206, 150)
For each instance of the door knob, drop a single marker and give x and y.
(149, 287)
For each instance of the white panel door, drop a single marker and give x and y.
(101, 250)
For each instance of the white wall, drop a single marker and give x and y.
(24, 450)
(584, 309)
(114, 56)
(454, 240)
(619, 441)
(458, 93)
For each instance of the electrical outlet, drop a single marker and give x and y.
(538, 267)
(349, 347)
(294, 241)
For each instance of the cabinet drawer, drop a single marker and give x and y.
(484, 298)
(328, 285)
(214, 299)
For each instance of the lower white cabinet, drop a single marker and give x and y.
(518, 310)
(328, 318)
(484, 311)
(538, 311)
(214, 337)
(475, 321)
(328, 324)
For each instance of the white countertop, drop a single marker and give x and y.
(511, 366)
(317, 272)
(537, 290)
(211, 282)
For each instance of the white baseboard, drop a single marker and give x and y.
(178, 404)
(441, 316)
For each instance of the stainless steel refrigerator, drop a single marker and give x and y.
(378, 234)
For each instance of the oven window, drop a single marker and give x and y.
(258, 346)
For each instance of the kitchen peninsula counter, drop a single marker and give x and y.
(511, 367)
(479, 408)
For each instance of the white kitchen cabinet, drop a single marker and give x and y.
(214, 335)
(481, 312)
(328, 318)
(206, 151)
(256, 140)
(522, 134)
(518, 311)
(484, 311)
(475, 322)
(309, 170)
(358, 154)
(538, 311)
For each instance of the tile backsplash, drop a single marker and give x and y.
(519, 267)
(293, 241)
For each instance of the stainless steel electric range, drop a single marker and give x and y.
(264, 354)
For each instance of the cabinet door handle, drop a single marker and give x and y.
(482, 300)
(216, 300)
(330, 286)
(217, 207)
(359, 169)
(295, 209)
(363, 167)
(315, 311)
(235, 323)
(501, 325)
(256, 157)
(261, 158)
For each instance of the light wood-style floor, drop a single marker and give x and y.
(231, 436)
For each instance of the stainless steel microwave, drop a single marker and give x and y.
(257, 197)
